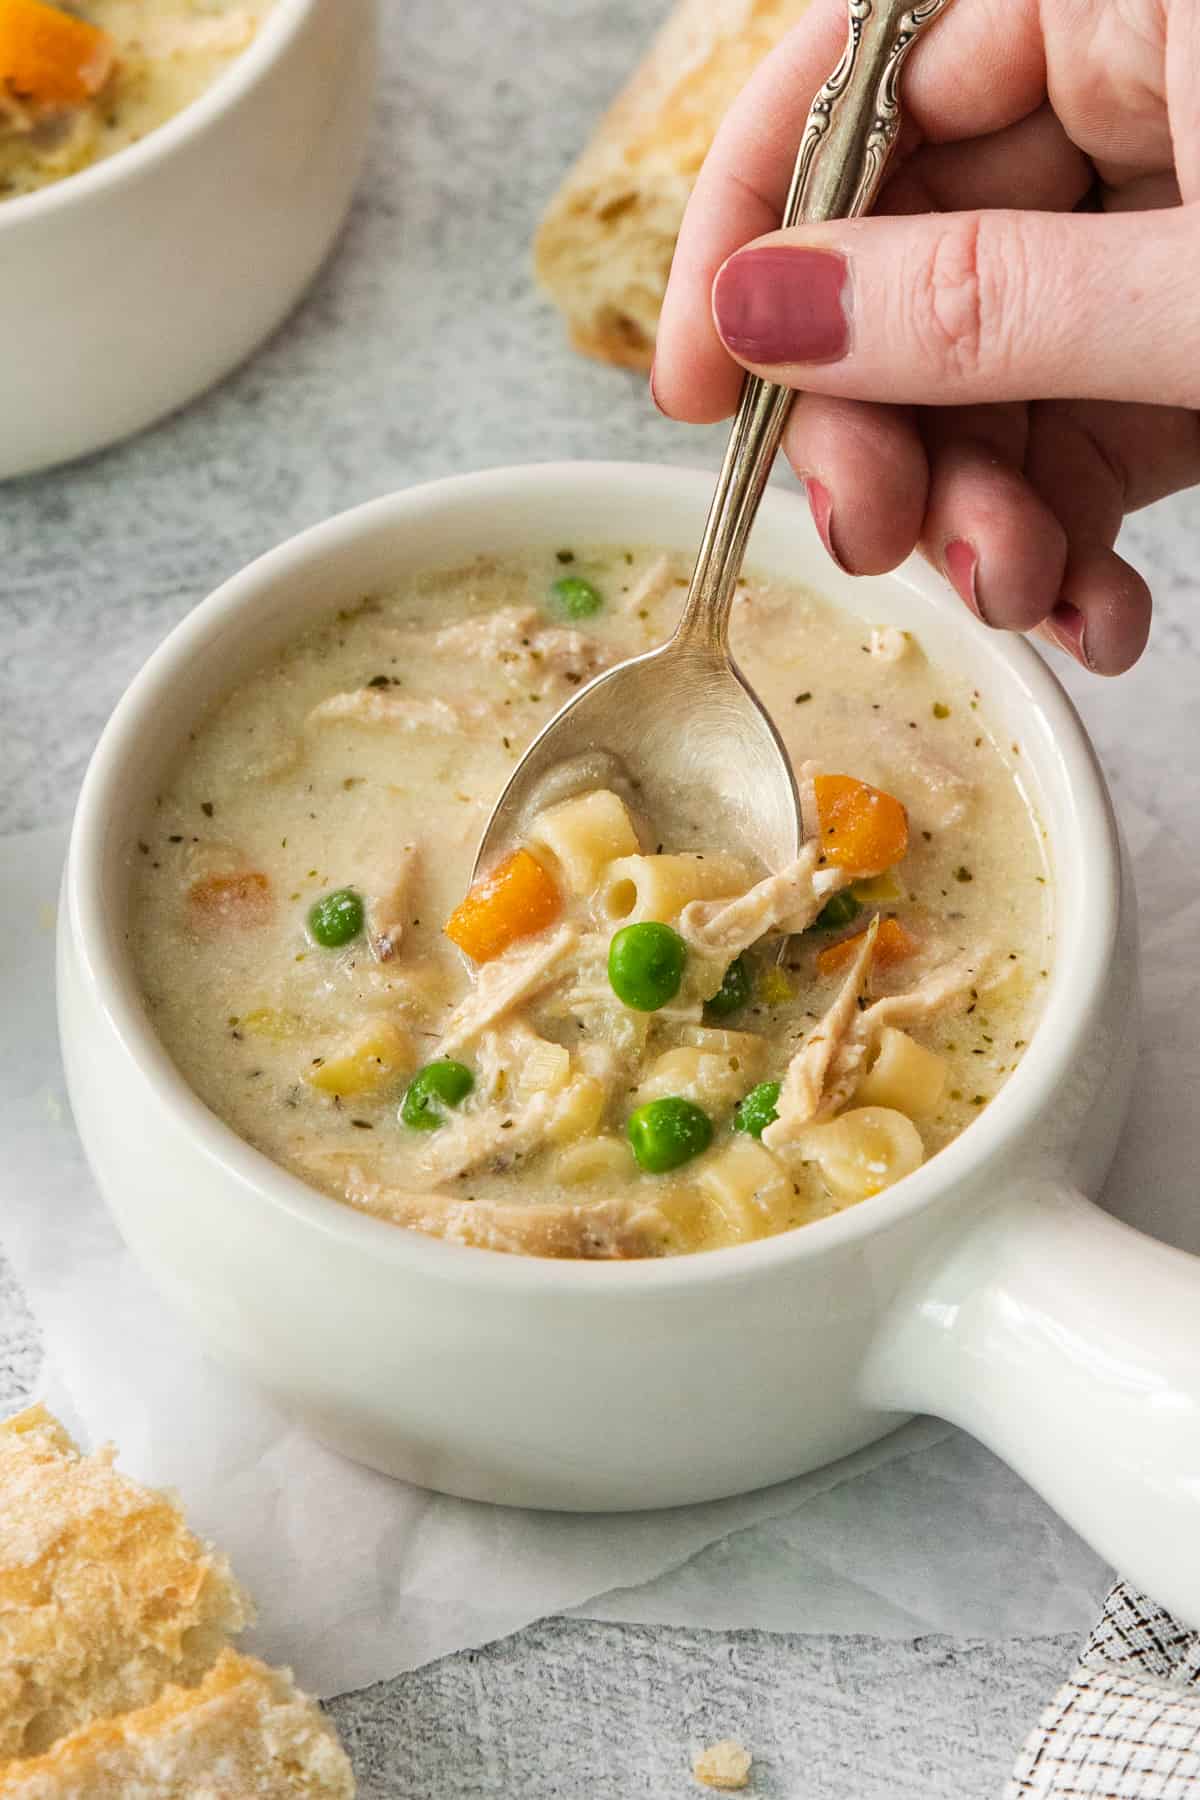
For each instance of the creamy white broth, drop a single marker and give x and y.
(367, 757)
(165, 54)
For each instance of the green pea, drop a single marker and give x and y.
(577, 598)
(667, 1133)
(336, 918)
(645, 965)
(733, 992)
(758, 1109)
(431, 1090)
(837, 912)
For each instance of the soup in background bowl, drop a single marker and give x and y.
(163, 262)
(79, 82)
(625, 1042)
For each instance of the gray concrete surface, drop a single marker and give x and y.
(423, 350)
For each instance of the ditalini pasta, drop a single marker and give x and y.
(585, 835)
(623, 1041)
(634, 888)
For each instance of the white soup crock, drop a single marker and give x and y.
(136, 284)
(984, 1288)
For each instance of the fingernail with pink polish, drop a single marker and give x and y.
(820, 504)
(1066, 625)
(784, 305)
(961, 562)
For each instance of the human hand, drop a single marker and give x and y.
(998, 387)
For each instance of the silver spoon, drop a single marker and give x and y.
(681, 722)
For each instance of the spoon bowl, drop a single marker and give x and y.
(680, 727)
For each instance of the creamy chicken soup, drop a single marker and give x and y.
(624, 1041)
(80, 81)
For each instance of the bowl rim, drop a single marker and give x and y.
(272, 38)
(1078, 976)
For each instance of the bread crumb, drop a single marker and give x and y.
(245, 1730)
(724, 1765)
(105, 1595)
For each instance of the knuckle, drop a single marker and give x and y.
(968, 297)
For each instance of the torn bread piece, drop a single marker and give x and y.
(105, 1595)
(604, 247)
(244, 1731)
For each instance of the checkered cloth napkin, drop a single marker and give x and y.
(1126, 1726)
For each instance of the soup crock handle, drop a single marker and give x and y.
(1069, 1344)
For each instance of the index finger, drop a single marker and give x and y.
(980, 69)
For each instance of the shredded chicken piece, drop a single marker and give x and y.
(491, 1065)
(388, 906)
(616, 1032)
(653, 585)
(379, 706)
(211, 856)
(603, 1061)
(418, 985)
(680, 1012)
(619, 1227)
(599, 1229)
(517, 641)
(223, 35)
(943, 795)
(889, 643)
(503, 984)
(531, 1091)
(761, 601)
(802, 1096)
(272, 761)
(943, 990)
(822, 1077)
(806, 775)
(496, 1134)
(789, 901)
(946, 986)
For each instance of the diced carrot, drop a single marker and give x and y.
(861, 829)
(516, 900)
(230, 902)
(50, 56)
(892, 945)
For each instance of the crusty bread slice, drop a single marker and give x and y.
(245, 1733)
(105, 1595)
(604, 247)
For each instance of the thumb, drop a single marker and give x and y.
(953, 308)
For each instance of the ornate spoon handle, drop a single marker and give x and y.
(852, 125)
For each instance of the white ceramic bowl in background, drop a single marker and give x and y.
(131, 287)
(984, 1288)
